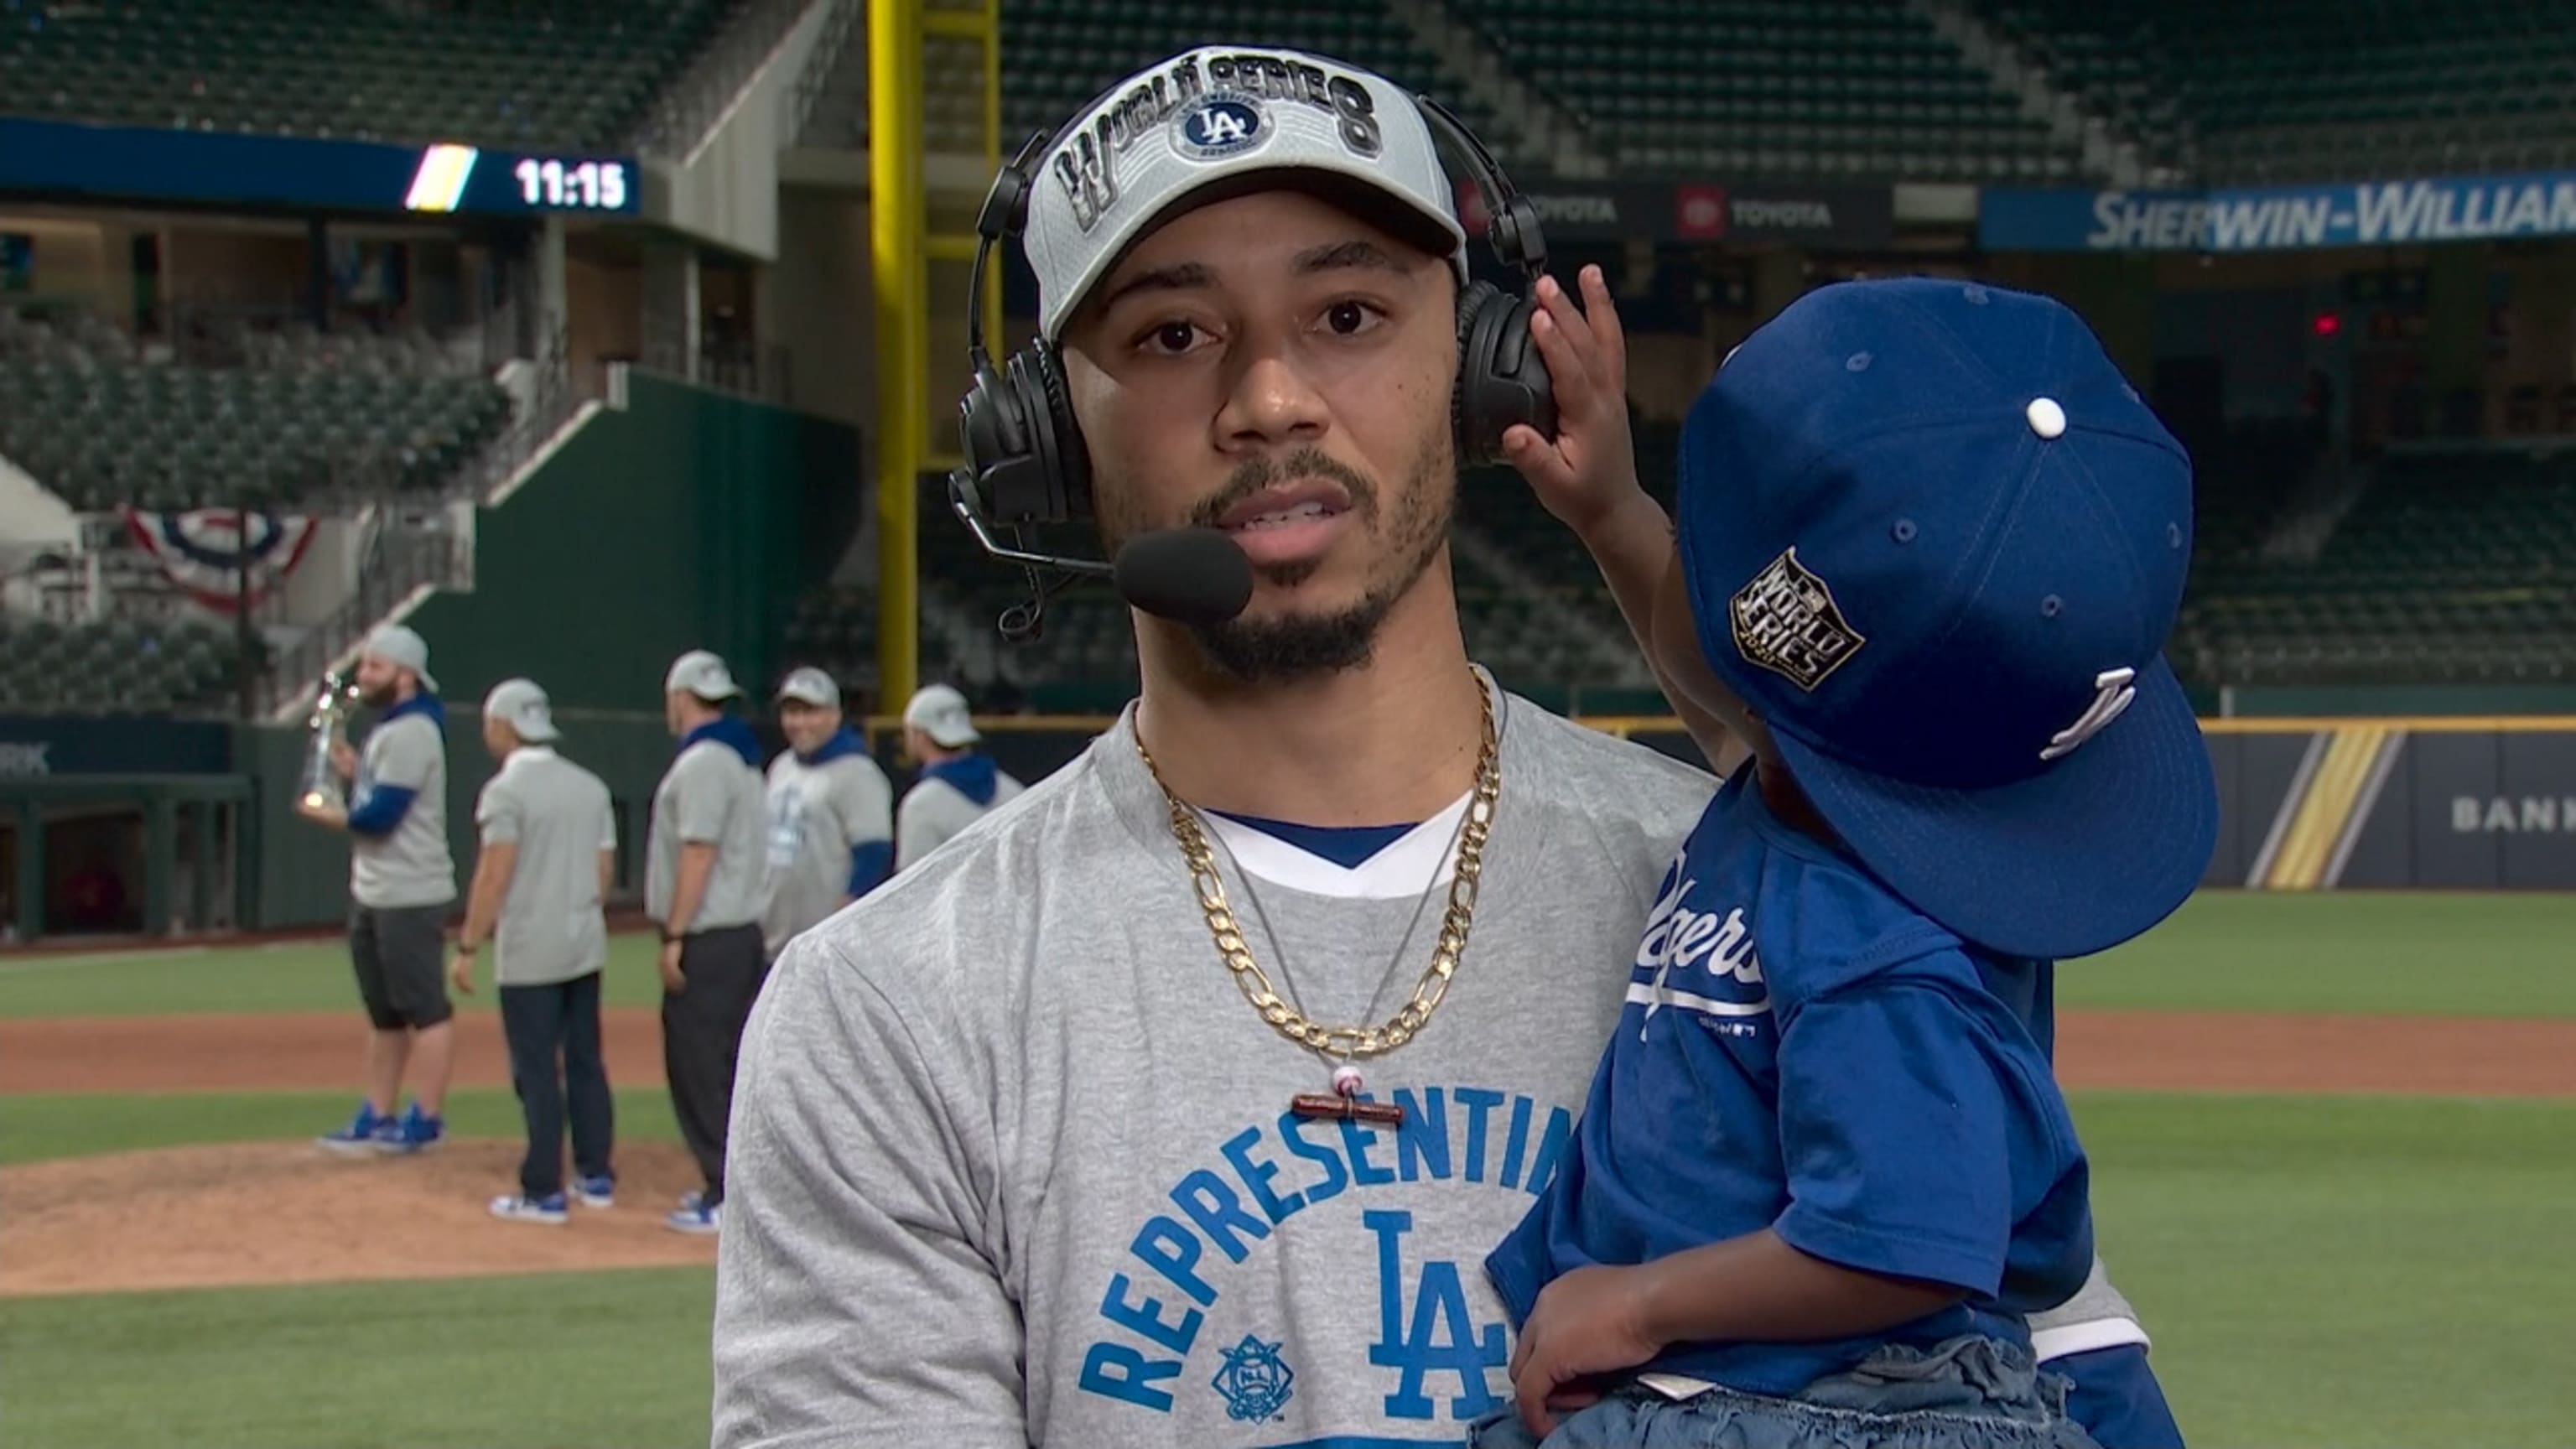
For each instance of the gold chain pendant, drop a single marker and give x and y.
(1348, 1043)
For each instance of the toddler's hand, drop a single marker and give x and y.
(1587, 1323)
(1591, 467)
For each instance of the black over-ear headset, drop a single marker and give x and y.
(1025, 461)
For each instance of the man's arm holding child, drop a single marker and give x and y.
(1895, 1211)
(1600, 1320)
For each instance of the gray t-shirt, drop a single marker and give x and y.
(934, 812)
(819, 815)
(410, 865)
(558, 814)
(710, 793)
(1011, 1162)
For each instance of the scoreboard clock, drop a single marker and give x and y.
(43, 159)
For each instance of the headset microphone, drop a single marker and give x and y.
(1186, 575)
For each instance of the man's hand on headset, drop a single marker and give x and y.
(1590, 470)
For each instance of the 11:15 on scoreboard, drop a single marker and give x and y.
(600, 184)
(453, 178)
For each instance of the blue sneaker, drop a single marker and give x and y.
(364, 1135)
(518, 1208)
(598, 1192)
(416, 1132)
(696, 1217)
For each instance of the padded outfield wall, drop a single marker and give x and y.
(2435, 802)
(2432, 803)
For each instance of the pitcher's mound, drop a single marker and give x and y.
(260, 1212)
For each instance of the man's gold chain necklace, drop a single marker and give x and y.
(1347, 1043)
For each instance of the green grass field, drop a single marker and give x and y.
(2360, 1273)
(2376, 954)
(287, 976)
(36, 1127)
(2381, 955)
(616, 1360)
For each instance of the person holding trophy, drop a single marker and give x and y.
(402, 885)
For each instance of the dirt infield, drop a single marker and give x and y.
(2144, 1050)
(297, 1051)
(253, 1213)
(2415, 1056)
(287, 1213)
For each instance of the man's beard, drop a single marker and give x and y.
(376, 696)
(1302, 646)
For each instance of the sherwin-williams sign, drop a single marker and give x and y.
(2277, 218)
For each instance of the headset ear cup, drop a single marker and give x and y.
(1068, 460)
(1502, 380)
(1462, 431)
(991, 440)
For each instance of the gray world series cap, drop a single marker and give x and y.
(523, 706)
(812, 686)
(1217, 114)
(401, 646)
(701, 673)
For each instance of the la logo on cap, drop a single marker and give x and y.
(1221, 125)
(2113, 694)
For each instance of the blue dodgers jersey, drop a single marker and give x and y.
(1803, 1051)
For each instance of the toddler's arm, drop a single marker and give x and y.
(1587, 477)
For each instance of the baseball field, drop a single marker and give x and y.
(2334, 1143)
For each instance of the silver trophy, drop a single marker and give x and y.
(321, 785)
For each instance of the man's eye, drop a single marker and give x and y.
(1348, 318)
(1174, 336)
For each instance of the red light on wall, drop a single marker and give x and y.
(2328, 324)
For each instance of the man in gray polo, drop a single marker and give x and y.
(402, 884)
(549, 851)
(959, 784)
(705, 885)
(831, 812)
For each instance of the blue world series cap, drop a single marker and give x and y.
(1937, 542)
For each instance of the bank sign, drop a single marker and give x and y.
(2281, 218)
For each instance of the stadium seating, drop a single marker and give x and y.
(121, 666)
(2317, 89)
(566, 73)
(1778, 88)
(1521, 632)
(314, 414)
(835, 630)
(1086, 656)
(1773, 88)
(2451, 568)
(1057, 55)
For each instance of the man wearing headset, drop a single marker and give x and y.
(1179, 1103)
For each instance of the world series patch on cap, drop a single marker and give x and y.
(1937, 542)
(1213, 116)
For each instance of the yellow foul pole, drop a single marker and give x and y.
(898, 220)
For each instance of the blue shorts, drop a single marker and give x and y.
(1968, 1393)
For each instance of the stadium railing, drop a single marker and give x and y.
(816, 78)
(682, 117)
(411, 550)
(551, 402)
(416, 544)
